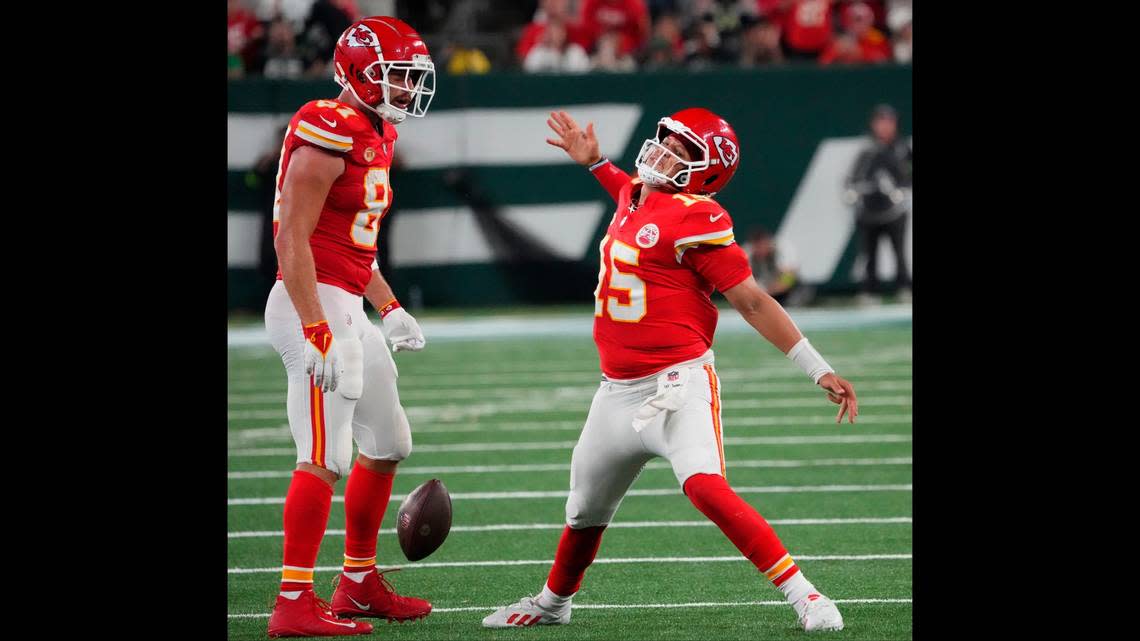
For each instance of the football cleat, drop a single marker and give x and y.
(309, 616)
(818, 613)
(375, 597)
(526, 612)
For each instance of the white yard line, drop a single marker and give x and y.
(515, 527)
(631, 606)
(561, 494)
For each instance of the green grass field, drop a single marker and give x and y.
(496, 421)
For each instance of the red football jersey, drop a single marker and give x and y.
(660, 264)
(344, 241)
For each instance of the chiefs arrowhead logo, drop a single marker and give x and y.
(361, 36)
(727, 150)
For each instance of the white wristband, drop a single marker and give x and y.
(809, 360)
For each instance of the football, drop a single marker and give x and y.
(424, 520)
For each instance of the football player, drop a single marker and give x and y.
(333, 190)
(667, 247)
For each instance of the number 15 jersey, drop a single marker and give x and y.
(660, 264)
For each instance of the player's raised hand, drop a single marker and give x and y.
(581, 146)
(322, 361)
(840, 392)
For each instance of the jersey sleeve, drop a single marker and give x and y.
(327, 125)
(612, 178)
(724, 267)
(704, 224)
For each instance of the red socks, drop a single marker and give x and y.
(742, 524)
(576, 551)
(365, 501)
(306, 515)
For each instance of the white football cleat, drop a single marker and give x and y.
(526, 612)
(818, 613)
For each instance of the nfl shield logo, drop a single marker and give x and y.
(673, 376)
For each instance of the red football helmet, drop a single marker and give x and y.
(372, 48)
(713, 146)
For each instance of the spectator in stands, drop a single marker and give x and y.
(610, 56)
(281, 57)
(714, 36)
(807, 29)
(899, 21)
(244, 33)
(775, 269)
(875, 186)
(775, 10)
(324, 24)
(460, 57)
(551, 11)
(861, 42)
(666, 46)
(628, 18)
(555, 53)
(760, 44)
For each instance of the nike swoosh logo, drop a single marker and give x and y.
(331, 124)
(347, 625)
(713, 219)
(360, 605)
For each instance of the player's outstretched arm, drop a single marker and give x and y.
(768, 317)
(582, 147)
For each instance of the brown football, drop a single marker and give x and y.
(424, 520)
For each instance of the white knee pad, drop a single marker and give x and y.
(389, 442)
(581, 515)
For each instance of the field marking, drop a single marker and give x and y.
(608, 561)
(515, 527)
(541, 403)
(624, 606)
(462, 374)
(729, 376)
(565, 467)
(507, 446)
(283, 434)
(579, 392)
(561, 494)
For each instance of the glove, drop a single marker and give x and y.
(403, 331)
(321, 359)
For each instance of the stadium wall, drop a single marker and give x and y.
(485, 212)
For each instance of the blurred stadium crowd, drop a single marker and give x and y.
(295, 38)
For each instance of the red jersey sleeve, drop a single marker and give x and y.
(328, 125)
(612, 178)
(706, 244)
(704, 223)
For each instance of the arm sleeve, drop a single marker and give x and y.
(612, 178)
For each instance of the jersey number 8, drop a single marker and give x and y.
(366, 225)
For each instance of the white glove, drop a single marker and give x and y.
(403, 331)
(321, 359)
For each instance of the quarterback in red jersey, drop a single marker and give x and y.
(667, 248)
(333, 190)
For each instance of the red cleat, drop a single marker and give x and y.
(309, 616)
(375, 597)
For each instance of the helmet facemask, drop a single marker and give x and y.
(418, 79)
(655, 160)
